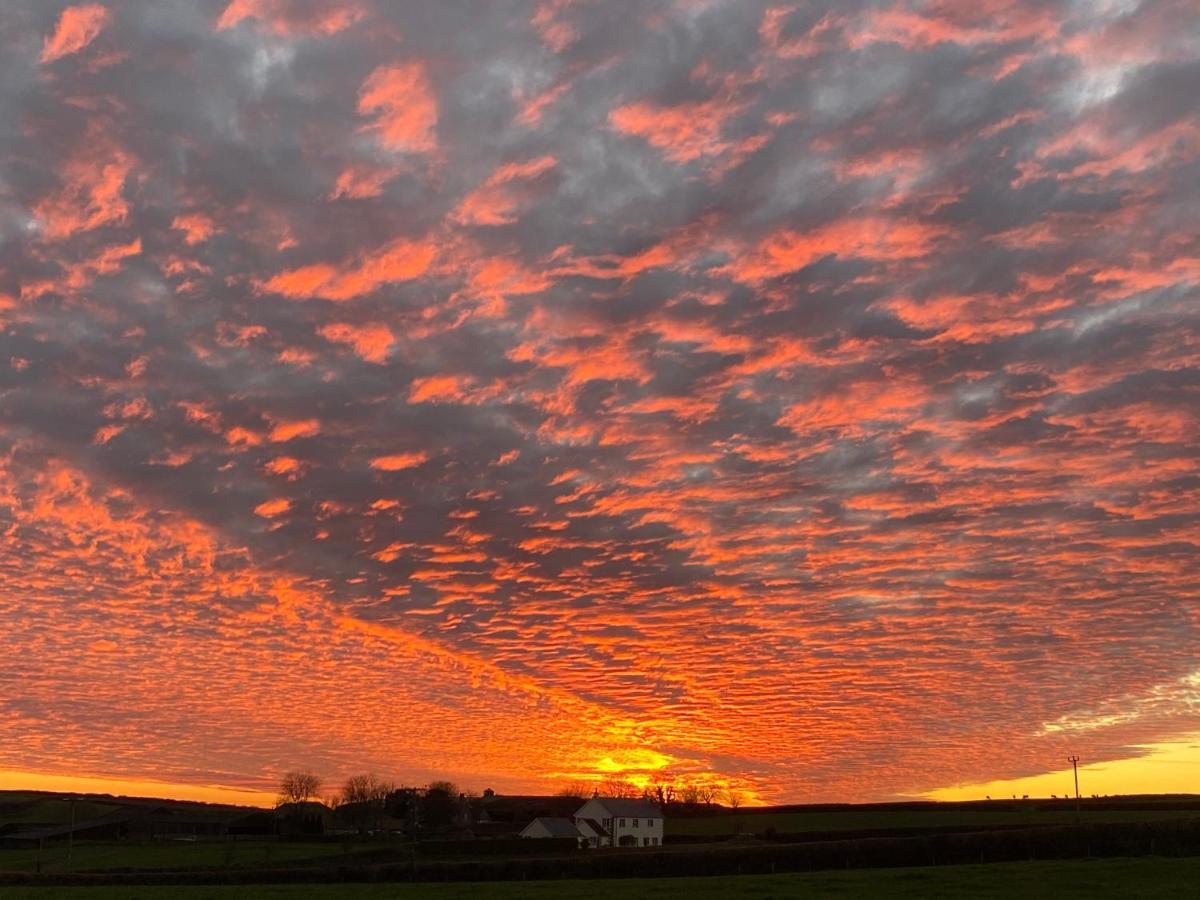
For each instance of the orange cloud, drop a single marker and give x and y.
(494, 202)
(196, 227)
(287, 430)
(683, 133)
(866, 237)
(401, 260)
(995, 21)
(359, 181)
(402, 101)
(438, 388)
(398, 461)
(91, 189)
(535, 107)
(371, 342)
(286, 466)
(269, 509)
(554, 32)
(77, 27)
(284, 17)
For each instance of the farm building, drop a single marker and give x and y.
(621, 822)
(550, 827)
(605, 822)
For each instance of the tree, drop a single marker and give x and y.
(708, 793)
(734, 799)
(437, 806)
(449, 788)
(690, 793)
(366, 795)
(661, 792)
(298, 787)
(578, 789)
(620, 788)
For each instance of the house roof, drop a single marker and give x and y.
(621, 806)
(595, 826)
(556, 827)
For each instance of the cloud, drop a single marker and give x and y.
(77, 27)
(401, 260)
(287, 16)
(400, 98)
(397, 462)
(784, 393)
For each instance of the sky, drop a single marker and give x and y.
(803, 398)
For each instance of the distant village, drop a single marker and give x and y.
(610, 814)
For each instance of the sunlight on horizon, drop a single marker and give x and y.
(1171, 767)
(11, 780)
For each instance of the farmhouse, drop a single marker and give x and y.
(550, 827)
(604, 822)
(618, 822)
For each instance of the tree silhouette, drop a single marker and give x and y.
(365, 796)
(298, 786)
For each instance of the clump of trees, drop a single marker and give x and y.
(364, 798)
(299, 786)
(366, 803)
(666, 790)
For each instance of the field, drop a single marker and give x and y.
(877, 820)
(1066, 880)
(99, 855)
(48, 809)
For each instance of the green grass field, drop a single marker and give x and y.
(857, 820)
(53, 809)
(166, 855)
(1156, 878)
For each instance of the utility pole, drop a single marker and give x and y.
(1074, 761)
(71, 835)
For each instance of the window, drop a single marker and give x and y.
(621, 823)
(635, 823)
(649, 823)
(654, 841)
(645, 842)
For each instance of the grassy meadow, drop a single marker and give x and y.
(1127, 879)
(110, 855)
(751, 822)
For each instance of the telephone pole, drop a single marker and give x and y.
(71, 835)
(1074, 761)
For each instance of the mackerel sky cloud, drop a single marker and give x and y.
(802, 395)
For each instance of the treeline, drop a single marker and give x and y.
(667, 792)
(367, 803)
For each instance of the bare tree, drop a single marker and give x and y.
(661, 792)
(619, 787)
(578, 789)
(368, 794)
(298, 786)
(690, 793)
(708, 793)
(733, 799)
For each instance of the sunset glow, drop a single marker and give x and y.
(799, 398)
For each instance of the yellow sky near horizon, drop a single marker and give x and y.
(1171, 767)
(11, 780)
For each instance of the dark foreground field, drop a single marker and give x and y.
(1148, 877)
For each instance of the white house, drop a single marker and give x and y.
(617, 822)
(549, 827)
